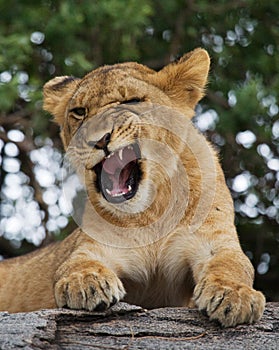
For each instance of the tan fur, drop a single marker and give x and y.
(174, 243)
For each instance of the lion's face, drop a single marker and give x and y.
(124, 130)
(109, 152)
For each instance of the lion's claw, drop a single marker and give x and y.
(228, 303)
(89, 290)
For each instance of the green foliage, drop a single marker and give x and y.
(44, 38)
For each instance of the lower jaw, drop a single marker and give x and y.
(119, 199)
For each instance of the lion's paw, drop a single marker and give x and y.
(90, 289)
(229, 303)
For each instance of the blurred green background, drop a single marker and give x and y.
(42, 39)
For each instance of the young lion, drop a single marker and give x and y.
(157, 228)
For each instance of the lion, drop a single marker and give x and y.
(157, 228)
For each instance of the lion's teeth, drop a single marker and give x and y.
(130, 147)
(119, 194)
(111, 154)
(108, 191)
(120, 153)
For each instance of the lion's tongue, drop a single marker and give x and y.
(118, 160)
(118, 169)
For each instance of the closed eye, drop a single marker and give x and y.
(132, 101)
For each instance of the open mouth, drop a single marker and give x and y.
(119, 174)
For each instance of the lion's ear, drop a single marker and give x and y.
(57, 93)
(184, 81)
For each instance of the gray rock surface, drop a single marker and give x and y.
(130, 327)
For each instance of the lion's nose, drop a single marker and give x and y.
(103, 142)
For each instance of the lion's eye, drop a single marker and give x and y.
(79, 111)
(132, 101)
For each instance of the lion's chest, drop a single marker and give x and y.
(151, 281)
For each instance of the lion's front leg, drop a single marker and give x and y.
(82, 283)
(224, 290)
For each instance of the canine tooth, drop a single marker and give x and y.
(108, 191)
(129, 188)
(130, 147)
(120, 152)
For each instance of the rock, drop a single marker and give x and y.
(131, 327)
